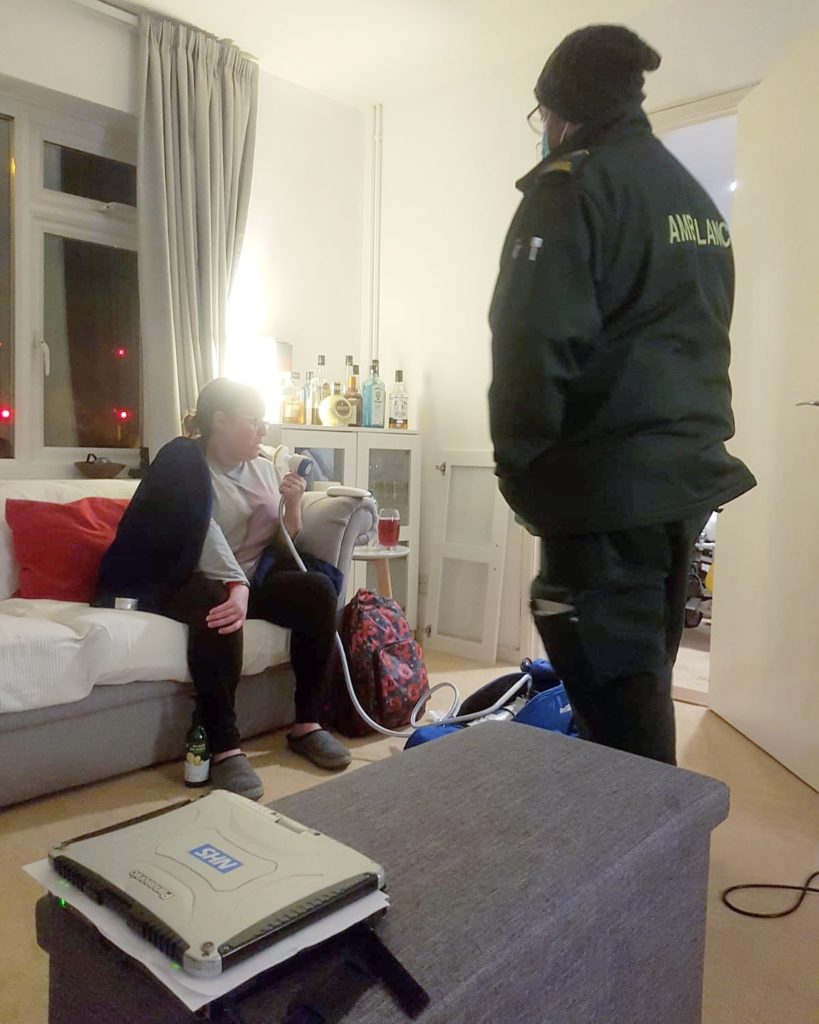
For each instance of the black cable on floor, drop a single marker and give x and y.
(803, 891)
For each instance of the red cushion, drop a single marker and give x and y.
(59, 547)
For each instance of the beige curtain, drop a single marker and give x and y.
(197, 133)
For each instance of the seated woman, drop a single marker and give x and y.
(189, 547)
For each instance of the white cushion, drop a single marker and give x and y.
(54, 652)
(58, 491)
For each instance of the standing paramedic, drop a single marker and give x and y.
(610, 402)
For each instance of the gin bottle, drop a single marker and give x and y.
(373, 399)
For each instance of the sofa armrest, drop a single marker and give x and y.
(333, 526)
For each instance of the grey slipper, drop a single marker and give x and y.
(322, 748)
(236, 776)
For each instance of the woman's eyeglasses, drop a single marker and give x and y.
(536, 120)
(256, 423)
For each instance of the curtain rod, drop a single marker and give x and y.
(128, 17)
(110, 10)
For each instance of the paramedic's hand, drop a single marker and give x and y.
(230, 616)
(292, 490)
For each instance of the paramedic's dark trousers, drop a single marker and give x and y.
(616, 652)
(303, 602)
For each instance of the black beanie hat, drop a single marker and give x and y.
(594, 71)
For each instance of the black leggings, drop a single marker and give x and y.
(305, 603)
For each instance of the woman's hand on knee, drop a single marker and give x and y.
(230, 616)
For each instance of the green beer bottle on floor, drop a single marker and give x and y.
(197, 754)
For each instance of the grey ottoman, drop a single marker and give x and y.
(533, 878)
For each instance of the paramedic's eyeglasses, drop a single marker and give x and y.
(536, 120)
(255, 422)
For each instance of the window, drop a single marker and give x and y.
(91, 330)
(85, 174)
(70, 350)
(6, 291)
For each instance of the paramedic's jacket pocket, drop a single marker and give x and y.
(545, 320)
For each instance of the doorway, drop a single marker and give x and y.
(708, 151)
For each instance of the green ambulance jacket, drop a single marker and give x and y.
(610, 402)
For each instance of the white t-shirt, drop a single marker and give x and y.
(244, 520)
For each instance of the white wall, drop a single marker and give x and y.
(59, 45)
(300, 274)
(451, 160)
(708, 150)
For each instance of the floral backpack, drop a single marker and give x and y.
(386, 666)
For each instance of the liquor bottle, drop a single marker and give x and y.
(314, 397)
(342, 382)
(324, 384)
(353, 396)
(373, 399)
(287, 385)
(336, 410)
(399, 404)
(197, 754)
(293, 401)
(307, 396)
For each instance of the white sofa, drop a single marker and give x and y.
(86, 693)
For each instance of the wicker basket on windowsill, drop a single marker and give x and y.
(99, 470)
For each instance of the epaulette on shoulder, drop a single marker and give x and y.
(568, 164)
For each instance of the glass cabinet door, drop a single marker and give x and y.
(328, 463)
(333, 454)
(389, 466)
(389, 477)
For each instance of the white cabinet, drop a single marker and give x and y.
(386, 462)
(334, 451)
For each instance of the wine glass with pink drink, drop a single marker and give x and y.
(389, 527)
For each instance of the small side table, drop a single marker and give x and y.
(381, 557)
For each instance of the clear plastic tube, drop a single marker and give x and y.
(450, 718)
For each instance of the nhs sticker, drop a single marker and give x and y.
(215, 858)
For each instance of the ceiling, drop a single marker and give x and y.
(365, 51)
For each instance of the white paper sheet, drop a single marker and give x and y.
(196, 992)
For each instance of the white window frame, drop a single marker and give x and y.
(37, 211)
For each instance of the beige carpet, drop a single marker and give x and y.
(757, 972)
(693, 668)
